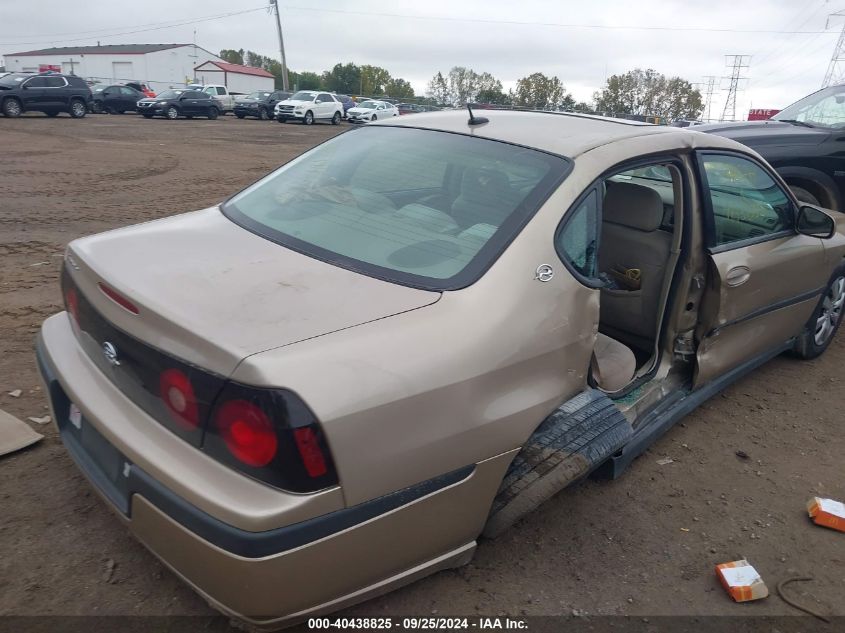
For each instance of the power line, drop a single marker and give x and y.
(144, 30)
(549, 24)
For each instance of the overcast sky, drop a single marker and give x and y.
(486, 35)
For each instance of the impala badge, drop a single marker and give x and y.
(110, 352)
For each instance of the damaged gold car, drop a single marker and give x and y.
(415, 333)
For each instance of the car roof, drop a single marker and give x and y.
(565, 134)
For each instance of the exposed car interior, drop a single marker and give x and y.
(639, 246)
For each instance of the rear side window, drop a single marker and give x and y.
(577, 241)
(419, 207)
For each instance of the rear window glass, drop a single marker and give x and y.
(420, 207)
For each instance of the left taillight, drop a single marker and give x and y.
(271, 435)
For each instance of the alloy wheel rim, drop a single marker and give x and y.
(831, 311)
(13, 108)
(78, 108)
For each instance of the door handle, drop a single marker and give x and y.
(737, 276)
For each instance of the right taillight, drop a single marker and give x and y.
(271, 435)
(72, 305)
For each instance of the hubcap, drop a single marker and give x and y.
(172, 113)
(831, 311)
(13, 108)
(78, 108)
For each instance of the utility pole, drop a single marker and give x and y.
(836, 69)
(739, 63)
(275, 5)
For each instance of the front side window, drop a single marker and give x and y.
(36, 82)
(747, 203)
(577, 241)
(357, 202)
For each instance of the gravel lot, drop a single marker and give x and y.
(643, 545)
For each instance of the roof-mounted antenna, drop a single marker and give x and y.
(476, 120)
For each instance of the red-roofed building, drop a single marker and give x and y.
(235, 77)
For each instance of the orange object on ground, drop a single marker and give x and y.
(827, 512)
(741, 581)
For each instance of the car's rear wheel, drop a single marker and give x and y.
(308, 119)
(336, 118)
(12, 108)
(826, 319)
(171, 113)
(263, 114)
(78, 109)
(805, 196)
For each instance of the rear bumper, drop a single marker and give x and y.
(279, 575)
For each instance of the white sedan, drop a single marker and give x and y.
(371, 111)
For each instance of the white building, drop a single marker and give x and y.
(160, 66)
(235, 77)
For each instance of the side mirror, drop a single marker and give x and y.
(814, 222)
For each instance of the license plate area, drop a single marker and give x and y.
(107, 468)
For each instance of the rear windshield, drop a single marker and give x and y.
(418, 207)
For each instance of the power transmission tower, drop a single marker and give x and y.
(275, 5)
(836, 68)
(739, 63)
(710, 85)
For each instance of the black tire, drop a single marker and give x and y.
(263, 114)
(97, 108)
(805, 196)
(146, 115)
(172, 113)
(239, 115)
(375, 118)
(77, 109)
(52, 113)
(308, 119)
(213, 113)
(825, 320)
(12, 108)
(569, 444)
(336, 118)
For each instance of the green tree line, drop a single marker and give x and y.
(637, 92)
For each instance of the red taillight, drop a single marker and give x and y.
(177, 393)
(118, 298)
(310, 452)
(248, 433)
(72, 305)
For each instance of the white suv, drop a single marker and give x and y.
(308, 106)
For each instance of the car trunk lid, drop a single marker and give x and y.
(211, 293)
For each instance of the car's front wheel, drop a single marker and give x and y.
(374, 118)
(336, 118)
(12, 108)
(309, 118)
(171, 113)
(213, 113)
(97, 107)
(825, 321)
(78, 109)
(263, 114)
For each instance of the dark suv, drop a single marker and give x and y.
(259, 104)
(50, 94)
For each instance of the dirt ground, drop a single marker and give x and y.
(642, 545)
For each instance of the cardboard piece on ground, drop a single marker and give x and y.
(15, 434)
(741, 581)
(827, 512)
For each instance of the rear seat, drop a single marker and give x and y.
(631, 239)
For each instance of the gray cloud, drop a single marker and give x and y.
(783, 67)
